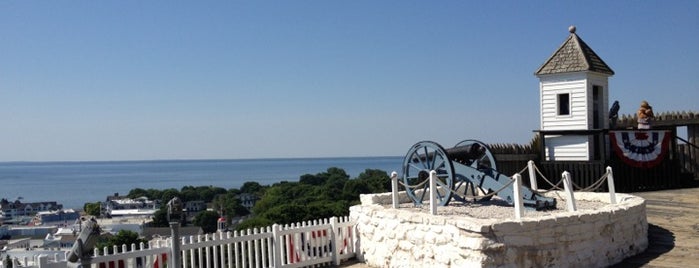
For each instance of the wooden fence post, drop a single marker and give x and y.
(277, 240)
(532, 175)
(570, 201)
(519, 207)
(394, 188)
(335, 241)
(433, 192)
(610, 185)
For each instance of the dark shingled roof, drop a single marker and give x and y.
(574, 56)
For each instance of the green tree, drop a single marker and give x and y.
(207, 220)
(93, 209)
(313, 197)
(369, 181)
(229, 206)
(286, 213)
(189, 193)
(160, 217)
(154, 194)
(123, 237)
(138, 192)
(169, 194)
(378, 180)
(251, 187)
(254, 222)
(208, 193)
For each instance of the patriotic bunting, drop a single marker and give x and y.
(643, 149)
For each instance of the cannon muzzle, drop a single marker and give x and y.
(466, 154)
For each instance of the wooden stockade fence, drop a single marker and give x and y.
(661, 119)
(679, 169)
(512, 158)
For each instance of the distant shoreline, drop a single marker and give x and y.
(187, 160)
(74, 183)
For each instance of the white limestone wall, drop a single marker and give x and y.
(401, 238)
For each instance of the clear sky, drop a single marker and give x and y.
(137, 80)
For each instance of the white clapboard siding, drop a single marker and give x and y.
(550, 120)
(567, 148)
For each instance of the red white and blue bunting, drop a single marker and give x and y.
(644, 149)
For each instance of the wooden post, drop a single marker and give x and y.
(542, 146)
(394, 188)
(532, 175)
(335, 241)
(433, 192)
(693, 138)
(278, 244)
(519, 204)
(610, 185)
(570, 201)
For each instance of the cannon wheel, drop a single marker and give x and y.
(423, 157)
(487, 161)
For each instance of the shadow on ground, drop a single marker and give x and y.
(660, 241)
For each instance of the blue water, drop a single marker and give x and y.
(75, 183)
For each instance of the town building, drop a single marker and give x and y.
(9, 210)
(192, 208)
(58, 218)
(248, 200)
(119, 206)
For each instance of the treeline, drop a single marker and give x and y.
(224, 203)
(318, 196)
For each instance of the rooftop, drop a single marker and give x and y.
(574, 55)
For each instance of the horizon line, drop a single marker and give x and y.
(184, 159)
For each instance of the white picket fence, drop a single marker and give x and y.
(314, 243)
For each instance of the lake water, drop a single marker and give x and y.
(75, 183)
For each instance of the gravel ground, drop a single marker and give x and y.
(499, 209)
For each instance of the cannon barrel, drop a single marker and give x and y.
(466, 153)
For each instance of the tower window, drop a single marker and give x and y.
(564, 104)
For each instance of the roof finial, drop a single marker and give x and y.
(571, 29)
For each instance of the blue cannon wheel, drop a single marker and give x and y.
(422, 158)
(487, 160)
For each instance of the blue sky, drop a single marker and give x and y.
(134, 80)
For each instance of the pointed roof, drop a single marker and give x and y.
(574, 55)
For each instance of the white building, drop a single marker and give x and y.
(248, 200)
(117, 206)
(14, 209)
(574, 99)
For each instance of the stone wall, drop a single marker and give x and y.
(592, 238)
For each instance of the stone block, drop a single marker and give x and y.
(405, 245)
(508, 227)
(518, 240)
(416, 237)
(545, 240)
(471, 243)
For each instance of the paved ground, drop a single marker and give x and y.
(673, 231)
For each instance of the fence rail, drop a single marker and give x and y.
(688, 155)
(320, 242)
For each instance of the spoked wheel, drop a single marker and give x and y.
(422, 158)
(477, 155)
(484, 158)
